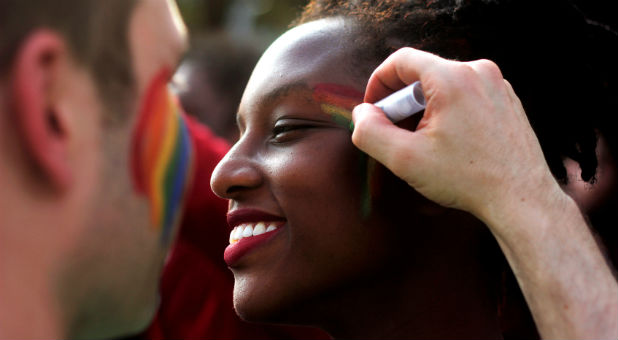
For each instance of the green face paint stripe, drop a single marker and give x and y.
(338, 115)
(338, 101)
(176, 176)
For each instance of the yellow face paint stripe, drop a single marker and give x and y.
(167, 149)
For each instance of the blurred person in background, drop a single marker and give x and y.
(211, 78)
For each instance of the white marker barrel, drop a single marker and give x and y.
(403, 103)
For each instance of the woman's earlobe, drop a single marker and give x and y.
(35, 75)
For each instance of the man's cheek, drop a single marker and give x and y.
(162, 156)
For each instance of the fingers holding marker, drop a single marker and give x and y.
(402, 68)
(403, 103)
(456, 156)
(370, 127)
(390, 145)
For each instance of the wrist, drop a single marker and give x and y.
(527, 210)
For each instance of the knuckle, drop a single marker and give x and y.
(405, 49)
(402, 53)
(359, 135)
(464, 71)
(459, 76)
(489, 69)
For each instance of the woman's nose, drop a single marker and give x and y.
(235, 174)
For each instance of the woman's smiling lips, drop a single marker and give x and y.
(250, 228)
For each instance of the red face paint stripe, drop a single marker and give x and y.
(153, 136)
(338, 95)
(337, 101)
(340, 90)
(138, 138)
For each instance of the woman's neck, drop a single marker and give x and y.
(439, 294)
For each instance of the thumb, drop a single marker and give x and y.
(389, 144)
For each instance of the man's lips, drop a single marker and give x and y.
(250, 229)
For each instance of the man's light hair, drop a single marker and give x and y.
(96, 32)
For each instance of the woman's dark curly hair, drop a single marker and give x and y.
(561, 65)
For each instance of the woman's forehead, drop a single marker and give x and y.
(324, 33)
(315, 52)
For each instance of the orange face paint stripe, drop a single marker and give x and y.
(341, 95)
(153, 141)
(165, 153)
(337, 101)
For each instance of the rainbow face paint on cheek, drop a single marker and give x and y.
(338, 101)
(162, 156)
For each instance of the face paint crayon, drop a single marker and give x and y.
(403, 103)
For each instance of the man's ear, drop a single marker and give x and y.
(36, 77)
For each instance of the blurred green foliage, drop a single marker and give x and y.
(210, 15)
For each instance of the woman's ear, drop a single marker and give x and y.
(36, 76)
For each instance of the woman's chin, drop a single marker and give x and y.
(259, 304)
(258, 311)
(253, 304)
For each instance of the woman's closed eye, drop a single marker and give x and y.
(288, 130)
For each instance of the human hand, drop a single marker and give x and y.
(473, 149)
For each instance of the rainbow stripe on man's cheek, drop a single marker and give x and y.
(338, 101)
(162, 156)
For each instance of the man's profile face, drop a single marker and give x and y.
(122, 249)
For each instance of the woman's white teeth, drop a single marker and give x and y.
(237, 233)
(248, 230)
(260, 228)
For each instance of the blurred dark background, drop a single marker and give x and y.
(228, 36)
(227, 39)
(261, 19)
(269, 18)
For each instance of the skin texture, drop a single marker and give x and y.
(66, 176)
(328, 265)
(474, 150)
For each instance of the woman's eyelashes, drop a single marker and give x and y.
(284, 132)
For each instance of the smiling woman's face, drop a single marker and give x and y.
(296, 170)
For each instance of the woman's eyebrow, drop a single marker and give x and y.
(276, 95)
(285, 90)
